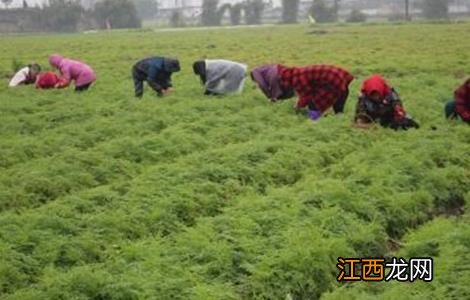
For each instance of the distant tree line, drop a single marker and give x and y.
(69, 15)
(251, 10)
(324, 11)
(116, 14)
(435, 9)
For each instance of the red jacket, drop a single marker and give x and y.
(462, 101)
(322, 85)
(47, 80)
(389, 99)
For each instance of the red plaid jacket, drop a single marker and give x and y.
(462, 101)
(321, 84)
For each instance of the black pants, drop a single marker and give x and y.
(338, 106)
(139, 78)
(451, 110)
(209, 93)
(83, 87)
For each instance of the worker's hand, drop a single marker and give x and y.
(61, 84)
(168, 91)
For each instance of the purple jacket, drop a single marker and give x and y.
(268, 80)
(75, 70)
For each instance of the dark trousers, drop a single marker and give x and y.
(450, 110)
(83, 87)
(139, 79)
(338, 106)
(209, 93)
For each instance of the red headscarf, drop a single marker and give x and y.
(47, 80)
(376, 83)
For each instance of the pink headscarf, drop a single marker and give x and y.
(72, 70)
(55, 60)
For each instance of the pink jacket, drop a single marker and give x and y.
(75, 70)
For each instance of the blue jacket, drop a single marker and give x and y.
(157, 71)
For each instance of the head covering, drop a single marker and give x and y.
(34, 67)
(171, 65)
(199, 68)
(268, 79)
(47, 80)
(376, 83)
(55, 60)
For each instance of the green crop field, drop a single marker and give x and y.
(103, 196)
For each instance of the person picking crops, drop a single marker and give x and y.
(72, 70)
(319, 87)
(268, 79)
(47, 80)
(157, 72)
(220, 76)
(26, 75)
(379, 102)
(460, 106)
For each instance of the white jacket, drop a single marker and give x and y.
(224, 76)
(19, 77)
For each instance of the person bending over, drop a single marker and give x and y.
(378, 102)
(220, 76)
(157, 72)
(70, 70)
(319, 87)
(26, 75)
(460, 106)
(268, 80)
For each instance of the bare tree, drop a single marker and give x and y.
(407, 10)
(290, 9)
(336, 8)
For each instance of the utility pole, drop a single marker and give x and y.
(336, 8)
